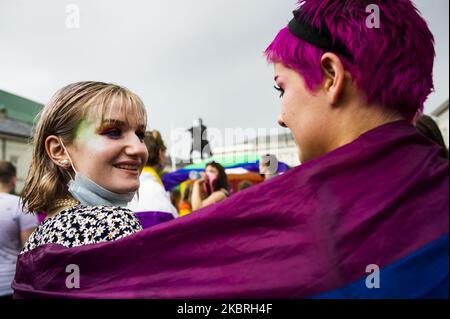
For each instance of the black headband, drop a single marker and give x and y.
(301, 28)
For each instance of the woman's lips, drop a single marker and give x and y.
(128, 167)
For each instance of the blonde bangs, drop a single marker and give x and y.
(114, 102)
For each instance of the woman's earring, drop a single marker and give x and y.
(64, 162)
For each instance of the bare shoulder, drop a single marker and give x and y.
(218, 195)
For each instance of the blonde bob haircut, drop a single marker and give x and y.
(61, 117)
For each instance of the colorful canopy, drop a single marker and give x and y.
(246, 163)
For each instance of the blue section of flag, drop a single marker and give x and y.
(422, 274)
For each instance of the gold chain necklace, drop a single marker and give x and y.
(64, 202)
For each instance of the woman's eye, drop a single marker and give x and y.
(279, 90)
(114, 133)
(140, 135)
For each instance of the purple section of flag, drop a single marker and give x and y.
(41, 217)
(149, 219)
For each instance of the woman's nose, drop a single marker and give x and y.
(281, 122)
(136, 147)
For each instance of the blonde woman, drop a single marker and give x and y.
(88, 155)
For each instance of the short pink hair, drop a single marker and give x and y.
(392, 65)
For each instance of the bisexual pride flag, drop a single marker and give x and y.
(367, 220)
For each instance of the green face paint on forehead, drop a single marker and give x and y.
(85, 131)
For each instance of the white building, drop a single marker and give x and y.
(16, 127)
(282, 146)
(15, 147)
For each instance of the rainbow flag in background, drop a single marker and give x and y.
(234, 166)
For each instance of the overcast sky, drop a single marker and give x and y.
(186, 59)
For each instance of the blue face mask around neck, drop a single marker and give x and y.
(90, 193)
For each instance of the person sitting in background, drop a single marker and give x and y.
(268, 166)
(428, 127)
(152, 196)
(15, 227)
(211, 188)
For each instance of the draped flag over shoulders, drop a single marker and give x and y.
(325, 229)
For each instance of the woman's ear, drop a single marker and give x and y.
(56, 151)
(334, 76)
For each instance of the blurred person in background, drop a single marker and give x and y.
(15, 227)
(428, 127)
(152, 196)
(211, 188)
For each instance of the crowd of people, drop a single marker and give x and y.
(96, 167)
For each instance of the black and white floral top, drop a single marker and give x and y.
(83, 225)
